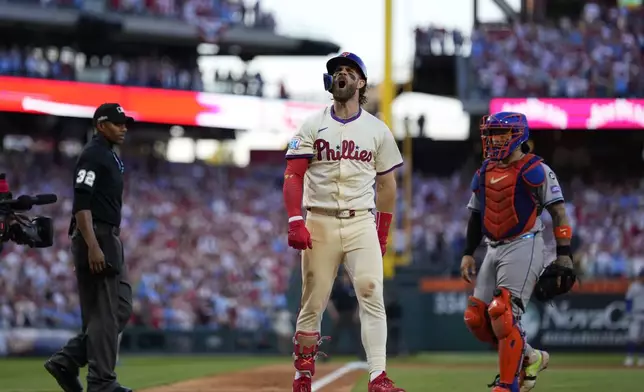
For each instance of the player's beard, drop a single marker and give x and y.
(344, 94)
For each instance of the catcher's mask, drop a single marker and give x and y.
(502, 133)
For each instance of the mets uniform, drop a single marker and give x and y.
(511, 201)
(345, 158)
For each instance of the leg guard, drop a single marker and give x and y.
(306, 351)
(478, 321)
(510, 336)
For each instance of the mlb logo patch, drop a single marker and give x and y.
(294, 144)
(345, 54)
(555, 189)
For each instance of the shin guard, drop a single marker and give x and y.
(306, 351)
(478, 321)
(511, 339)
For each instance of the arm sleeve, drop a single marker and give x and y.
(388, 155)
(474, 233)
(294, 185)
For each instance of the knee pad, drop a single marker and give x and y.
(477, 320)
(500, 311)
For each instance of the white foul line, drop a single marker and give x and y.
(331, 377)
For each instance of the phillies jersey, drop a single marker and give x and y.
(345, 156)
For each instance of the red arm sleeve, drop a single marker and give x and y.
(294, 185)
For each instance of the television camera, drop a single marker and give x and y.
(37, 232)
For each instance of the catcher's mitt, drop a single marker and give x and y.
(555, 280)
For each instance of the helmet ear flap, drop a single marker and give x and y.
(328, 81)
(525, 147)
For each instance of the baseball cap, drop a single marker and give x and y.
(112, 112)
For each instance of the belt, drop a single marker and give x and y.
(494, 244)
(340, 214)
(102, 227)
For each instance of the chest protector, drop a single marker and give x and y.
(508, 204)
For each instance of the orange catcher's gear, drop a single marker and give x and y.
(511, 339)
(478, 321)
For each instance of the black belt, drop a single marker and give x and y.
(100, 228)
(106, 228)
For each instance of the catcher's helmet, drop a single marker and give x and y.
(345, 58)
(502, 133)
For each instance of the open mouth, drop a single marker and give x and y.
(342, 83)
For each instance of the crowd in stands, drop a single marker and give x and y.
(205, 246)
(600, 54)
(165, 73)
(436, 41)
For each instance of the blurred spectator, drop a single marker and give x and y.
(438, 42)
(598, 55)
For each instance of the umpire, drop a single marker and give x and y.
(105, 294)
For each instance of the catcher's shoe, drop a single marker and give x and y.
(302, 384)
(529, 380)
(382, 383)
(498, 386)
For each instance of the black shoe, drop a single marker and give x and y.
(66, 379)
(122, 389)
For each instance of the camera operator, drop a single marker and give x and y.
(105, 294)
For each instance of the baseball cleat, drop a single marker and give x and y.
(302, 384)
(629, 361)
(640, 362)
(533, 369)
(382, 383)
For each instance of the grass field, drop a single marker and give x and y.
(423, 373)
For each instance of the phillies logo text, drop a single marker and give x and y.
(346, 150)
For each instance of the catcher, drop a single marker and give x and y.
(509, 192)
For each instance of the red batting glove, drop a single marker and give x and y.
(298, 235)
(383, 221)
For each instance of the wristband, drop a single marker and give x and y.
(564, 250)
(563, 232)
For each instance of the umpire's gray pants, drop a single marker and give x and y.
(106, 306)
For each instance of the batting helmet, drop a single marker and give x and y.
(502, 133)
(344, 58)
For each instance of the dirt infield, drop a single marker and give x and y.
(273, 378)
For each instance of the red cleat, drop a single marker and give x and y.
(302, 384)
(382, 383)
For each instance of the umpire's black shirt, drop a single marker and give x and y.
(98, 182)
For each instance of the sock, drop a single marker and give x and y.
(299, 375)
(375, 374)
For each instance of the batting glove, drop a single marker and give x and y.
(298, 235)
(383, 221)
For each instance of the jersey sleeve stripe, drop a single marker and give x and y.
(393, 168)
(551, 202)
(296, 156)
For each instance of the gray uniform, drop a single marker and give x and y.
(516, 265)
(635, 295)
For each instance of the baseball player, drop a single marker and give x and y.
(509, 192)
(332, 165)
(635, 310)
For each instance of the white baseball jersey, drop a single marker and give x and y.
(635, 294)
(345, 157)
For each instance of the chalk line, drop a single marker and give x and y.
(322, 382)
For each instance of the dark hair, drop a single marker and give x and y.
(362, 97)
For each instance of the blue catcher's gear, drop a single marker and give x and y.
(345, 58)
(502, 133)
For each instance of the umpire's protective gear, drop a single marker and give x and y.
(345, 58)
